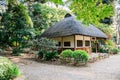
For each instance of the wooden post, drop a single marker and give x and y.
(74, 43)
(62, 43)
(96, 45)
(83, 43)
(90, 45)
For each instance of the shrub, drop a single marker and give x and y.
(44, 44)
(0, 50)
(16, 51)
(46, 48)
(80, 56)
(66, 53)
(103, 50)
(46, 55)
(115, 51)
(8, 70)
(40, 54)
(50, 55)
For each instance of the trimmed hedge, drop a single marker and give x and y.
(8, 70)
(66, 53)
(80, 56)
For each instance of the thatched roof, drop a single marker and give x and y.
(71, 26)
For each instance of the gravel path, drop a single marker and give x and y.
(106, 69)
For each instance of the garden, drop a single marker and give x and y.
(22, 22)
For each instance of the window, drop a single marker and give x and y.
(79, 43)
(87, 43)
(58, 44)
(93, 38)
(67, 43)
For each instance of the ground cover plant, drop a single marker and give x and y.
(8, 70)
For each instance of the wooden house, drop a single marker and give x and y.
(72, 34)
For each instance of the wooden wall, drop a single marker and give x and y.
(73, 40)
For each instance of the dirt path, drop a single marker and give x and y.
(107, 69)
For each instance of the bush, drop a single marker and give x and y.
(8, 70)
(46, 55)
(16, 51)
(0, 50)
(66, 56)
(115, 51)
(40, 54)
(50, 55)
(103, 50)
(44, 44)
(80, 56)
(66, 53)
(46, 48)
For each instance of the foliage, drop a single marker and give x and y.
(8, 70)
(0, 50)
(16, 16)
(46, 55)
(46, 47)
(66, 56)
(17, 24)
(115, 51)
(50, 55)
(20, 22)
(40, 54)
(103, 46)
(110, 44)
(106, 29)
(90, 11)
(45, 44)
(57, 1)
(44, 16)
(66, 53)
(80, 56)
(16, 51)
(3, 38)
(103, 50)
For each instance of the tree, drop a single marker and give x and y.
(90, 11)
(117, 21)
(17, 23)
(107, 30)
(44, 16)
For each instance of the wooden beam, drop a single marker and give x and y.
(96, 45)
(83, 41)
(74, 43)
(90, 45)
(62, 43)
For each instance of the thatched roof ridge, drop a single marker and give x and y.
(71, 26)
